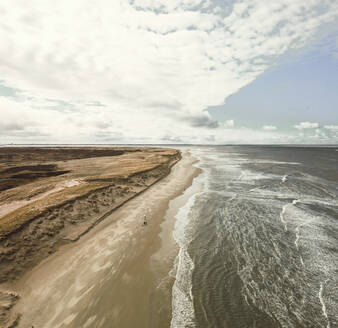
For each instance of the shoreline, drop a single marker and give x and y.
(126, 257)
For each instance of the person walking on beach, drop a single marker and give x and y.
(145, 220)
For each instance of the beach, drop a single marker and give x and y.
(119, 273)
(222, 236)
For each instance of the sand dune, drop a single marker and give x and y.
(39, 216)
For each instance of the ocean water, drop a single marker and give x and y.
(259, 242)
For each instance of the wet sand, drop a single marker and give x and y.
(118, 274)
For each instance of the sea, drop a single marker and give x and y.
(258, 241)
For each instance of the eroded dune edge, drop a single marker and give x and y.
(52, 196)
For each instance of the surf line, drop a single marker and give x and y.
(320, 295)
(281, 215)
(297, 238)
(297, 232)
(296, 243)
(294, 202)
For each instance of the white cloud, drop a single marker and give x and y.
(331, 127)
(229, 123)
(21, 123)
(269, 127)
(154, 65)
(306, 125)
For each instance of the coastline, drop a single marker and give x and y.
(117, 264)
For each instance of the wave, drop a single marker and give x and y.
(183, 314)
(262, 243)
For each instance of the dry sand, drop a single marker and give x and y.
(117, 275)
(43, 209)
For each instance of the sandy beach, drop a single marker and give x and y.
(120, 273)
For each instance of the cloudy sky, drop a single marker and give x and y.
(169, 71)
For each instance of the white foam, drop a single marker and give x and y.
(294, 216)
(321, 299)
(294, 202)
(183, 313)
(297, 231)
(281, 215)
(318, 201)
(297, 238)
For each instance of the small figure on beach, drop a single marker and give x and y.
(145, 220)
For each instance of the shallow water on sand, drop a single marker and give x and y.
(259, 242)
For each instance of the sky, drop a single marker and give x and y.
(178, 71)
